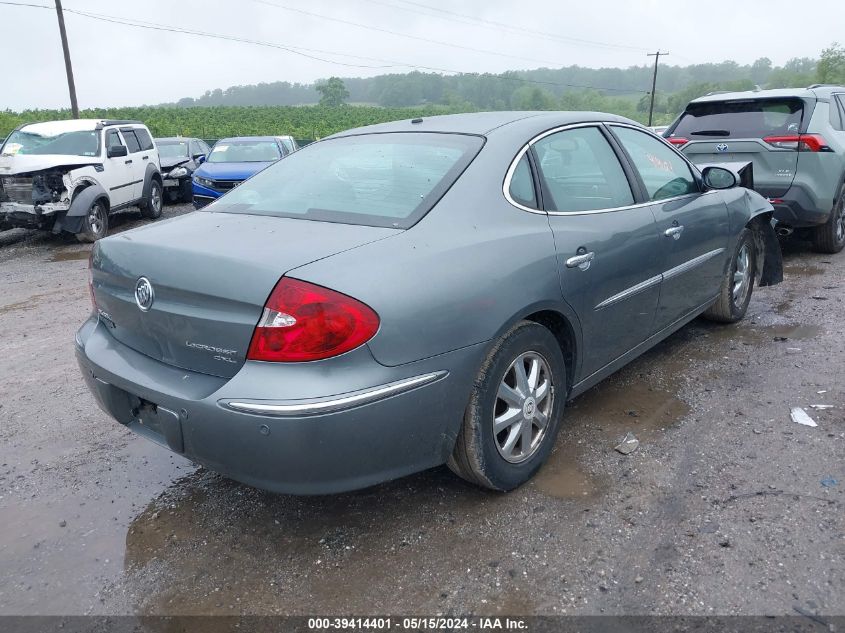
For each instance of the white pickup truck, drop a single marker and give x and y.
(70, 175)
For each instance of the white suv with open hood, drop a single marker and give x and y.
(70, 175)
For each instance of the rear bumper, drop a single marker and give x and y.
(373, 423)
(801, 207)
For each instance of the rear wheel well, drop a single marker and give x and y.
(558, 325)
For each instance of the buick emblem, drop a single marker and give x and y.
(722, 147)
(144, 295)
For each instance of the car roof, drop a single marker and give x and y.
(74, 125)
(230, 139)
(176, 139)
(485, 123)
(816, 91)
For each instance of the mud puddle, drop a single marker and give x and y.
(67, 256)
(563, 477)
(797, 270)
(66, 542)
(599, 419)
(756, 334)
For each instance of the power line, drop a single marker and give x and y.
(132, 22)
(468, 19)
(297, 50)
(405, 35)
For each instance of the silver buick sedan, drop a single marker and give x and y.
(423, 292)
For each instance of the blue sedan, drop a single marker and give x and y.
(231, 161)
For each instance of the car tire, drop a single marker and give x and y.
(830, 236)
(95, 224)
(186, 191)
(738, 282)
(499, 461)
(151, 207)
(172, 195)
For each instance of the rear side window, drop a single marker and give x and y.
(521, 188)
(837, 112)
(751, 118)
(580, 172)
(664, 173)
(132, 143)
(144, 138)
(387, 180)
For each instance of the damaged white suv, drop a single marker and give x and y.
(70, 175)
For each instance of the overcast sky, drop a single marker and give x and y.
(117, 65)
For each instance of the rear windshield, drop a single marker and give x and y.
(755, 118)
(244, 152)
(387, 180)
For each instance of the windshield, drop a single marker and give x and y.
(752, 118)
(244, 152)
(387, 180)
(78, 143)
(172, 149)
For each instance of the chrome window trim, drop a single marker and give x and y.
(512, 168)
(669, 274)
(333, 403)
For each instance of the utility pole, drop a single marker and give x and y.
(68, 68)
(653, 82)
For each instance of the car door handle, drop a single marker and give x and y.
(674, 231)
(127, 162)
(145, 157)
(582, 262)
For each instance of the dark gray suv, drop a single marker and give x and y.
(795, 139)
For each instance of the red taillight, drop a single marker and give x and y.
(303, 321)
(678, 140)
(799, 142)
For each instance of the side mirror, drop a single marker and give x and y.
(115, 151)
(200, 158)
(719, 178)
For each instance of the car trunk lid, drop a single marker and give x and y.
(210, 275)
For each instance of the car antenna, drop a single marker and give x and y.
(417, 120)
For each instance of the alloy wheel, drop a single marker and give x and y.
(155, 198)
(742, 275)
(840, 221)
(96, 218)
(523, 407)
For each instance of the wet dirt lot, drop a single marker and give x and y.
(720, 510)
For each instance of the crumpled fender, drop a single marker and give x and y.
(151, 172)
(82, 201)
(769, 256)
(747, 208)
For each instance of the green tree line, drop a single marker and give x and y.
(313, 111)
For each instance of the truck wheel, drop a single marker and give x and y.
(737, 284)
(514, 410)
(830, 236)
(96, 223)
(151, 207)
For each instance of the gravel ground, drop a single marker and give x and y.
(721, 510)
